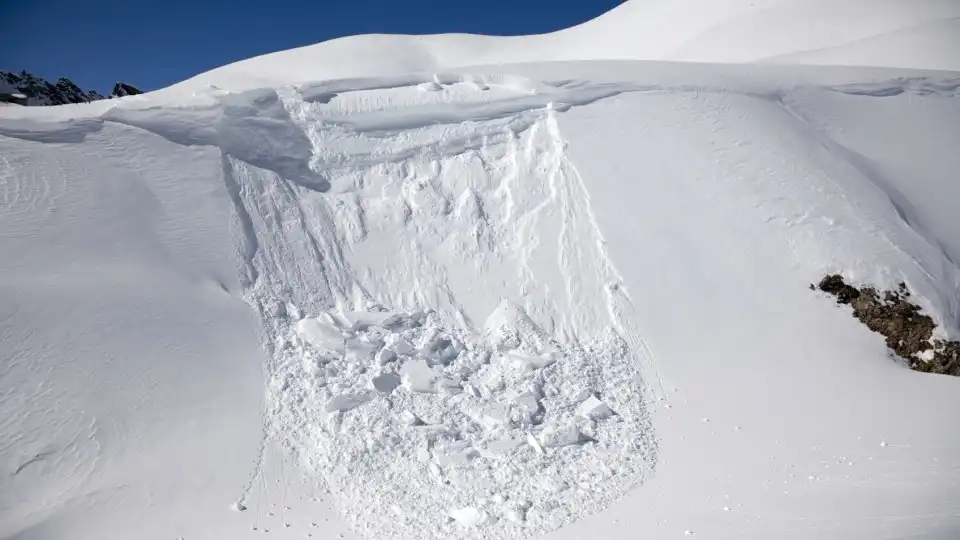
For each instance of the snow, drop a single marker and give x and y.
(916, 34)
(593, 408)
(408, 287)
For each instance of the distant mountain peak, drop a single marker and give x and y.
(123, 89)
(39, 91)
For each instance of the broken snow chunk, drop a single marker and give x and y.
(407, 418)
(470, 517)
(277, 309)
(417, 376)
(447, 352)
(345, 402)
(526, 409)
(534, 443)
(448, 386)
(385, 356)
(372, 339)
(359, 352)
(362, 320)
(321, 334)
(402, 347)
(529, 361)
(385, 383)
(311, 365)
(490, 381)
(429, 340)
(552, 485)
(495, 416)
(527, 401)
(501, 447)
(471, 390)
(594, 409)
(440, 349)
(515, 516)
(555, 436)
(434, 432)
(456, 457)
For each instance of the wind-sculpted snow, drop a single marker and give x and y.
(415, 117)
(251, 126)
(50, 132)
(324, 92)
(946, 87)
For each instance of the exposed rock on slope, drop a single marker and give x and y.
(909, 332)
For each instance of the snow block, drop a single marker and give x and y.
(321, 335)
(417, 376)
(385, 383)
(470, 517)
(594, 409)
(345, 402)
(555, 436)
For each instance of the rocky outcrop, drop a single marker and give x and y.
(122, 89)
(908, 331)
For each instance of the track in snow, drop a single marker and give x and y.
(505, 394)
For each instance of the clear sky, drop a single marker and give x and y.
(152, 44)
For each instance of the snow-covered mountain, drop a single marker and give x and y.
(63, 92)
(916, 34)
(457, 286)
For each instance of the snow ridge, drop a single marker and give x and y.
(914, 34)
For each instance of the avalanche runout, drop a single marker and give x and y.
(420, 428)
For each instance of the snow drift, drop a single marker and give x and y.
(448, 298)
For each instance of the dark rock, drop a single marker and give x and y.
(908, 331)
(122, 89)
(15, 98)
(62, 92)
(834, 285)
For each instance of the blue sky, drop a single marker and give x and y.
(152, 44)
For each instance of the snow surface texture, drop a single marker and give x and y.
(560, 299)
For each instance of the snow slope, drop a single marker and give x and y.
(554, 299)
(917, 34)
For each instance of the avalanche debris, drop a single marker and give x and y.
(416, 406)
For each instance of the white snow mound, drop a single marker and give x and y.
(917, 34)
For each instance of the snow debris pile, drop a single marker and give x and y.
(427, 431)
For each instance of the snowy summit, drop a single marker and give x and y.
(557, 286)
